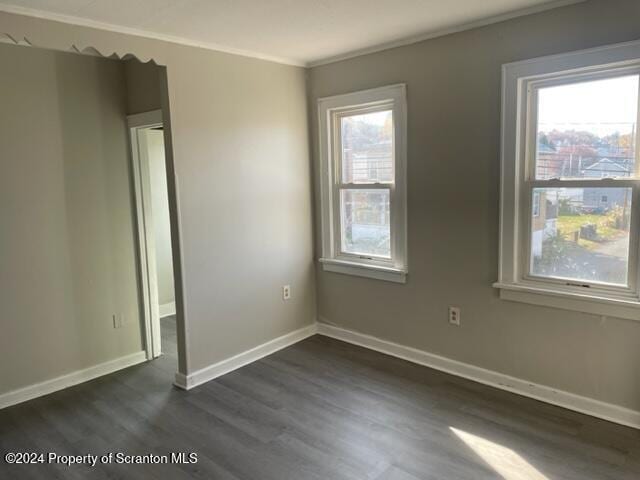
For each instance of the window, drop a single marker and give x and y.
(570, 210)
(362, 152)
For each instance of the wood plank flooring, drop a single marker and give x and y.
(321, 409)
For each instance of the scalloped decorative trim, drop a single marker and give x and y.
(89, 50)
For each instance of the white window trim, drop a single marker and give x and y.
(394, 270)
(514, 209)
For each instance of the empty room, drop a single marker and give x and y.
(269, 240)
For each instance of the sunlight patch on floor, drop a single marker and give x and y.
(503, 460)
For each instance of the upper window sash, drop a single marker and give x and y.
(337, 150)
(533, 86)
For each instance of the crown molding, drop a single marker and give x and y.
(443, 32)
(85, 22)
(110, 27)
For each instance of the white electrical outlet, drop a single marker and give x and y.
(286, 292)
(118, 320)
(454, 316)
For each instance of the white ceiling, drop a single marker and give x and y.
(301, 32)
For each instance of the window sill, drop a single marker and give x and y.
(360, 270)
(609, 307)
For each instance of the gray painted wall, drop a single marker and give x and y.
(453, 164)
(241, 151)
(67, 241)
(239, 165)
(144, 89)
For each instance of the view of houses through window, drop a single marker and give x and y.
(585, 131)
(578, 236)
(367, 159)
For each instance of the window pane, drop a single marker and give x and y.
(364, 215)
(367, 148)
(588, 130)
(581, 234)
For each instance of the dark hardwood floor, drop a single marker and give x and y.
(321, 409)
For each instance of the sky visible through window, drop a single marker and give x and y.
(602, 107)
(588, 129)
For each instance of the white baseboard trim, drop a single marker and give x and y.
(187, 382)
(588, 406)
(167, 309)
(65, 381)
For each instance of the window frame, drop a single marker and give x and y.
(521, 83)
(330, 112)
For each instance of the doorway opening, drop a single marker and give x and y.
(146, 132)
